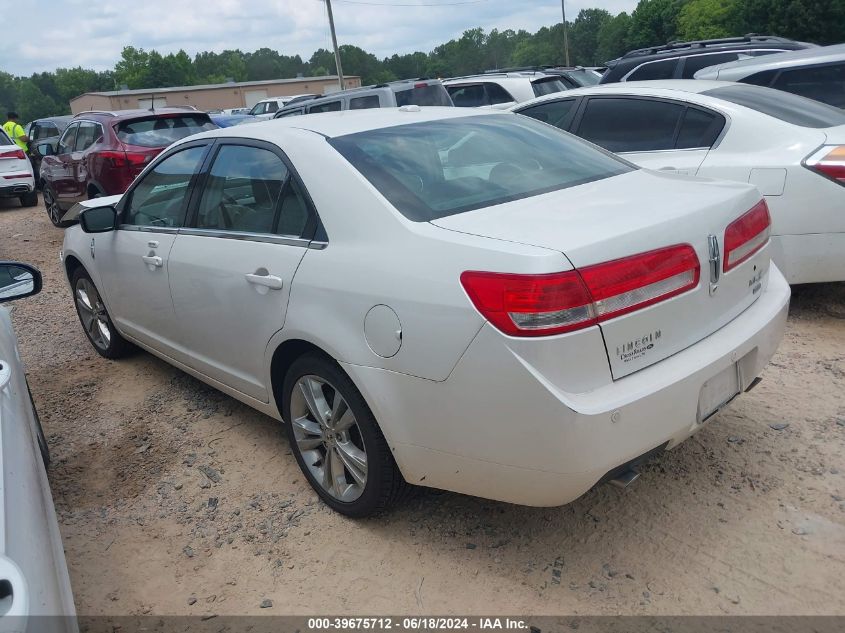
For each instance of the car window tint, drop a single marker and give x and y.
(496, 94)
(654, 70)
(272, 106)
(694, 63)
(242, 190)
(161, 131)
(784, 106)
(549, 86)
(699, 129)
(68, 139)
(293, 214)
(555, 113)
(630, 125)
(471, 96)
(159, 197)
(291, 113)
(86, 136)
(331, 106)
(364, 103)
(424, 95)
(45, 130)
(763, 78)
(822, 83)
(437, 168)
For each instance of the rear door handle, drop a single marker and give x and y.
(270, 281)
(153, 260)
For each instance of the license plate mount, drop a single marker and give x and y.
(717, 392)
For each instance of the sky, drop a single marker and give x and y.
(91, 33)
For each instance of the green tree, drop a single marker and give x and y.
(706, 19)
(654, 22)
(133, 68)
(584, 36)
(819, 21)
(612, 40)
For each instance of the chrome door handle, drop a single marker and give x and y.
(153, 260)
(270, 281)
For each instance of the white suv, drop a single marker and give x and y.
(266, 108)
(504, 89)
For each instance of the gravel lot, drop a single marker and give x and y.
(175, 499)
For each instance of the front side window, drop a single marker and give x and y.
(258, 108)
(783, 106)
(88, 134)
(68, 139)
(162, 130)
(557, 113)
(630, 125)
(331, 106)
(438, 168)
(654, 70)
(242, 190)
(822, 83)
(160, 197)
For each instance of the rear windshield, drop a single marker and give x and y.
(584, 77)
(161, 131)
(428, 95)
(439, 168)
(4, 138)
(548, 86)
(781, 105)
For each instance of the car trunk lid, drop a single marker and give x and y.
(627, 215)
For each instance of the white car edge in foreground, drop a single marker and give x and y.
(519, 350)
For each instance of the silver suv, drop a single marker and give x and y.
(420, 92)
(502, 89)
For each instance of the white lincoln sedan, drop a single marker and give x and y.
(465, 300)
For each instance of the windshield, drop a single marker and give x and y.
(162, 130)
(548, 86)
(784, 106)
(424, 95)
(439, 168)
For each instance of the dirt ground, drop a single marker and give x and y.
(176, 499)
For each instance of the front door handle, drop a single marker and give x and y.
(153, 260)
(269, 281)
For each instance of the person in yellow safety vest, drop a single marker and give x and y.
(15, 131)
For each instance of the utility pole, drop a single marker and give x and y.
(334, 43)
(565, 31)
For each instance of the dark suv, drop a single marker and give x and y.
(681, 60)
(41, 131)
(100, 153)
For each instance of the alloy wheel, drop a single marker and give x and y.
(53, 209)
(93, 313)
(328, 438)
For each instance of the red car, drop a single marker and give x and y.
(100, 153)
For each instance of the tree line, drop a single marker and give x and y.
(595, 36)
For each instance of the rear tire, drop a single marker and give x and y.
(29, 199)
(95, 319)
(54, 211)
(343, 438)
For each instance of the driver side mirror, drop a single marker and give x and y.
(98, 220)
(45, 149)
(18, 280)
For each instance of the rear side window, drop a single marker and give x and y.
(822, 83)
(783, 106)
(654, 70)
(272, 106)
(694, 63)
(557, 113)
(87, 135)
(439, 168)
(424, 95)
(364, 103)
(630, 125)
(242, 190)
(331, 106)
(68, 139)
(471, 96)
(548, 86)
(161, 131)
(699, 129)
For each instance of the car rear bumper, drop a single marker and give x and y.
(813, 258)
(497, 428)
(12, 188)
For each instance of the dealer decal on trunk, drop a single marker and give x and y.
(637, 348)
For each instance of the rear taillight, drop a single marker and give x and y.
(746, 235)
(542, 305)
(13, 153)
(122, 159)
(829, 161)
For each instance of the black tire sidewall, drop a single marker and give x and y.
(379, 460)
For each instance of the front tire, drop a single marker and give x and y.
(54, 211)
(95, 319)
(29, 199)
(337, 441)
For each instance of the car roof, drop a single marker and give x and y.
(118, 115)
(501, 76)
(775, 61)
(67, 118)
(662, 86)
(332, 124)
(696, 47)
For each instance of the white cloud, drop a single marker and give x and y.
(71, 33)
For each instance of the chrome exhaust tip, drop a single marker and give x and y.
(625, 479)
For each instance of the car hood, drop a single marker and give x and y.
(79, 207)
